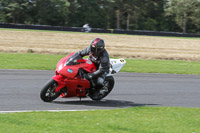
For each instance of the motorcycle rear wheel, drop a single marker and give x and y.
(105, 90)
(48, 93)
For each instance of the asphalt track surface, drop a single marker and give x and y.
(20, 90)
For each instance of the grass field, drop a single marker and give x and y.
(48, 62)
(132, 120)
(125, 46)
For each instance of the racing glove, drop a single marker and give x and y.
(88, 76)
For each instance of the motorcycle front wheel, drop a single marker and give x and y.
(48, 93)
(98, 94)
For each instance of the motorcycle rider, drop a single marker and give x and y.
(99, 56)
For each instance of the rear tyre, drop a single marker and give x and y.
(48, 93)
(98, 94)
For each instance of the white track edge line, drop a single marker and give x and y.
(23, 111)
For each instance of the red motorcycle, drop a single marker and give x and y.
(70, 81)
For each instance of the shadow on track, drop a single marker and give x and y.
(103, 103)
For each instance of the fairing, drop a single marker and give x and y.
(67, 76)
(72, 70)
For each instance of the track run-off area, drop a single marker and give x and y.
(20, 91)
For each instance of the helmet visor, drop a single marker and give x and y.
(93, 49)
(96, 50)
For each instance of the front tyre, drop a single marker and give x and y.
(105, 90)
(48, 93)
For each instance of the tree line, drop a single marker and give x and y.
(157, 15)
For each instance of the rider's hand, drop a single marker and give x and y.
(88, 76)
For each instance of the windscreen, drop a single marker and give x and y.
(71, 62)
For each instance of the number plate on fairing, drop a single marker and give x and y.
(70, 70)
(89, 62)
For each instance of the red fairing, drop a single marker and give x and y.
(60, 80)
(76, 87)
(67, 76)
(88, 66)
(71, 71)
(61, 67)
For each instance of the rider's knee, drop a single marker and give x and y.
(100, 81)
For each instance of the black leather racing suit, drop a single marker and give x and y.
(101, 61)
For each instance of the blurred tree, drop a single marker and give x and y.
(86, 11)
(107, 6)
(184, 11)
(129, 7)
(51, 12)
(136, 15)
(151, 15)
(117, 6)
(196, 18)
(157, 15)
(14, 10)
(73, 13)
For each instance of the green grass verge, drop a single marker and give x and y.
(29, 61)
(162, 66)
(131, 120)
(48, 62)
